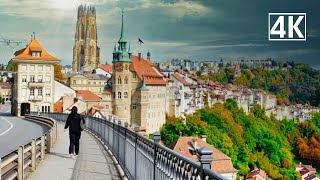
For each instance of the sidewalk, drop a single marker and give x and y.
(92, 163)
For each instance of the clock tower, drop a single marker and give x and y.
(121, 80)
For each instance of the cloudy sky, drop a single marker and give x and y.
(190, 29)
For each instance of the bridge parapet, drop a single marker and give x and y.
(17, 164)
(141, 158)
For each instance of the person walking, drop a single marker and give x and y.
(74, 124)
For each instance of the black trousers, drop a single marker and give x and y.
(74, 143)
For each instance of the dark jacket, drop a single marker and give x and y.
(73, 122)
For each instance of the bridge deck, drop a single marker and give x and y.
(92, 163)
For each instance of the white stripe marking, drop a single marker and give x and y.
(7, 129)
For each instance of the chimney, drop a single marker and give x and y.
(139, 56)
(204, 138)
(195, 143)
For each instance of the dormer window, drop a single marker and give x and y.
(36, 54)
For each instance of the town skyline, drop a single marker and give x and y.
(210, 30)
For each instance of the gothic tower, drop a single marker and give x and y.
(86, 51)
(121, 81)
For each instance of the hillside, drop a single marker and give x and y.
(251, 140)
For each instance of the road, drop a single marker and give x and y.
(15, 131)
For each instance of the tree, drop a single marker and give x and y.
(57, 72)
(10, 67)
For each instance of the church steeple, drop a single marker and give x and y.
(122, 39)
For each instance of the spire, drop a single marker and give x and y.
(143, 86)
(122, 39)
(129, 49)
(115, 47)
(148, 54)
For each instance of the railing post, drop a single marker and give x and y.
(156, 140)
(48, 144)
(205, 157)
(136, 130)
(42, 147)
(20, 163)
(125, 142)
(33, 154)
(56, 137)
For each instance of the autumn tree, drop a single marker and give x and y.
(57, 72)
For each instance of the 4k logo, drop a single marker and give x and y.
(287, 26)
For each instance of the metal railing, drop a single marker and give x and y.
(142, 158)
(17, 164)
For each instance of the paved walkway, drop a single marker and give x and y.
(92, 163)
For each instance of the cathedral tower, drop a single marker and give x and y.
(121, 81)
(86, 51)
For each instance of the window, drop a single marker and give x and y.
(40, 78)
(39, 92)
(119, 95)
(24, 92)
(119, 80)
(24, 67)
(134, 106)
(24, 78)
(32, 67)
(40, 67)
(31, 92)
(114, 95)
(126, 80)
(126, 67)
(32, 79)
(100, 90)
(125, 95)
(33, 54)
(89, 83)
(133, 75)
(48, 93)
(100, 83)
(107, 106)
(74, 81)
(48, 68)
(94, 83)
(48, 80)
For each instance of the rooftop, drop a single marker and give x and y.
(87, 95)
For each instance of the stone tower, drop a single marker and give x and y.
(121, 81)
(86, 51)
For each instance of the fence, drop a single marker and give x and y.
(16, 164)
(142, 158)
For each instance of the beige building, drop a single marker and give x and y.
(139, 91)
(92, 82)
(5, 91)
(86, 51)
(33, 80)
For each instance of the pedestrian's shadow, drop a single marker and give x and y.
(60, 155)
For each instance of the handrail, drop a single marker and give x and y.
(143, 158)
(16, 164)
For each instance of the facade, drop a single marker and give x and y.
(92, 82)
(139, 91)
(33, 79)
(5, 91)
(62, 90)
(104, 69)
(86, 51)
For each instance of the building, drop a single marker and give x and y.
(5, 91)
(257, 174)
(104, 69)
(86, 51)
(62, 90)
(139, 91)
(92, 82)
(33, 79)
(188, 147)
(237, 71)
(307, 172)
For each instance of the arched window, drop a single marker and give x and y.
(126, 80)
(126, 67)
(119, 80)
(119, 95)
(125, 95)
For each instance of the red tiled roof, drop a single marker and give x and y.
(107, 92)
(34, 45)
(256, 172)
(106, 67)
(183, 81)
(237, 67)
(5, 85)
(221, 163)
(87, 95)
(272, 96)
(58, 106)
(152, 76)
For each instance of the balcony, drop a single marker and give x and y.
(35, 98)
(36, 84)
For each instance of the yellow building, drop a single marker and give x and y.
(33, 80)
